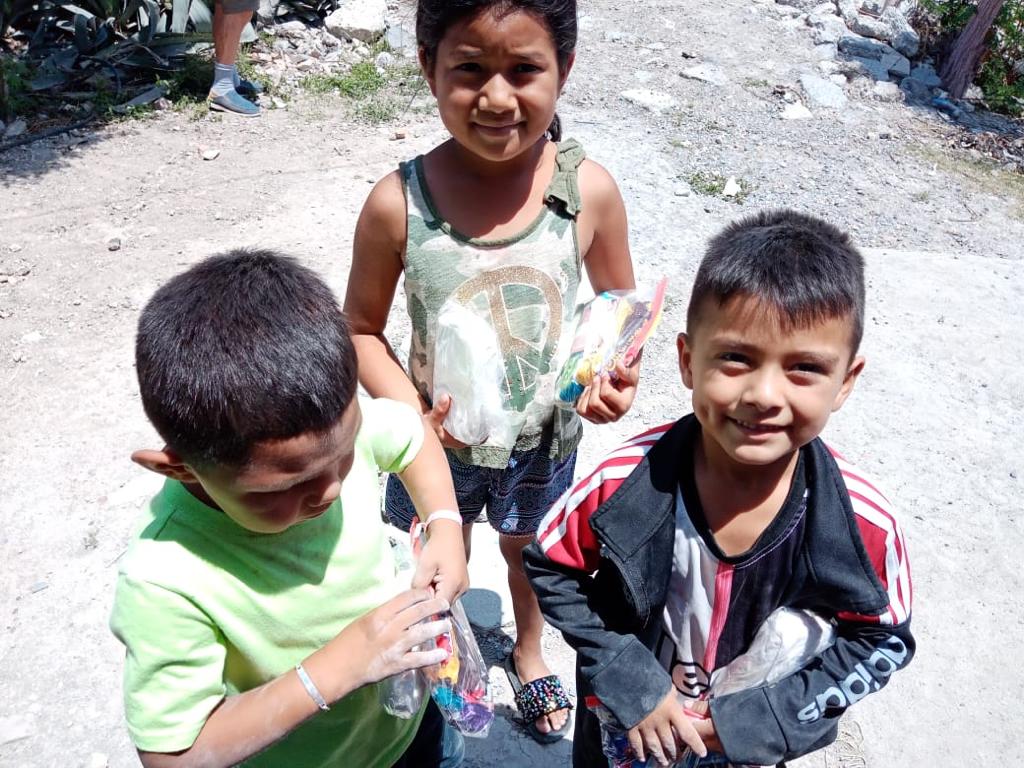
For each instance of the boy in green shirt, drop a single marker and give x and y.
(257, 603)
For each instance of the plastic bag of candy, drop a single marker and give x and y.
(785, 643)
(469, 367)
(458, 685)
(402, 695)
(611, 328)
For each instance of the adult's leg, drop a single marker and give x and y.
(229, 20)
(228, 25)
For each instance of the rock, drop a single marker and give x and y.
(15, 728)
(849, 10)
(707, 73)
(114, 244)
(897, 65)
(682, 190)
(864, 48)
(13, 267)
(162, 105)
(363, 20)
(926, 74)
(732, 187)
(16, 128)
(886, 91)
(292, 28)
(838, 79)
(98, 760)
(803, 5)
(902, 36)
(210, 154)
(401, 40)
(872, 68)
(974, 93)
(267, 11)
(915, 90)
(864, 25)
(827, 29)
(655, 101)
(822, 92)
(398, 135)
(613, 36)
(384, 61)
(825, 52)
(796, 111)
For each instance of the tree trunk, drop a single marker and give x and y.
(960, 65)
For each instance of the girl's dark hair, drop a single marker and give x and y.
(435, 17)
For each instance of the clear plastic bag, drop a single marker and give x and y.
(402, 695)
(611, 328)
(469, 367)
(785, 643)
(459, 685)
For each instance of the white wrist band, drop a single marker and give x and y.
(443, 514)
(311, 689)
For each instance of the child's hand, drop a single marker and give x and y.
(380, 644)
(442, 563)
(608, 398)
(663, 733)
(705, 726)
(434, 420)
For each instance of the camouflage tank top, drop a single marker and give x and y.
(524, 284)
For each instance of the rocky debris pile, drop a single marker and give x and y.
(869, 46)
(293, 50)
(1004, 149)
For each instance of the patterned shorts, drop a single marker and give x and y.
(516, 497)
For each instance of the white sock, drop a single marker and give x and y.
(223, 78)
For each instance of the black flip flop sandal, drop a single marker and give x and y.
(537, 698)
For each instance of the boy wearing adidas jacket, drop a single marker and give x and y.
(660, 566)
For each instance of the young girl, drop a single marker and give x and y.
(502, 217)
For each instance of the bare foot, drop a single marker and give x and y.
(531, 666)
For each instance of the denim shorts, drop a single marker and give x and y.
(516, 498)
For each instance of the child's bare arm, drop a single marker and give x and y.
(605, 236)
(428, 481)
(376, 267)
(372, 648)
(604, 231)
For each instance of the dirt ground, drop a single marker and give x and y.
(936, 415)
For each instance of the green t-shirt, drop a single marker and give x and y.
(207, 609)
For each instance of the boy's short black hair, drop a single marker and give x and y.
(805, 268)
(243, 347)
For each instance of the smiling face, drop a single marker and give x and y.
(761, 391)
(285, 482)
(496, 79)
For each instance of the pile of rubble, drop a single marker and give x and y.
(292, 50)
(873, 40)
